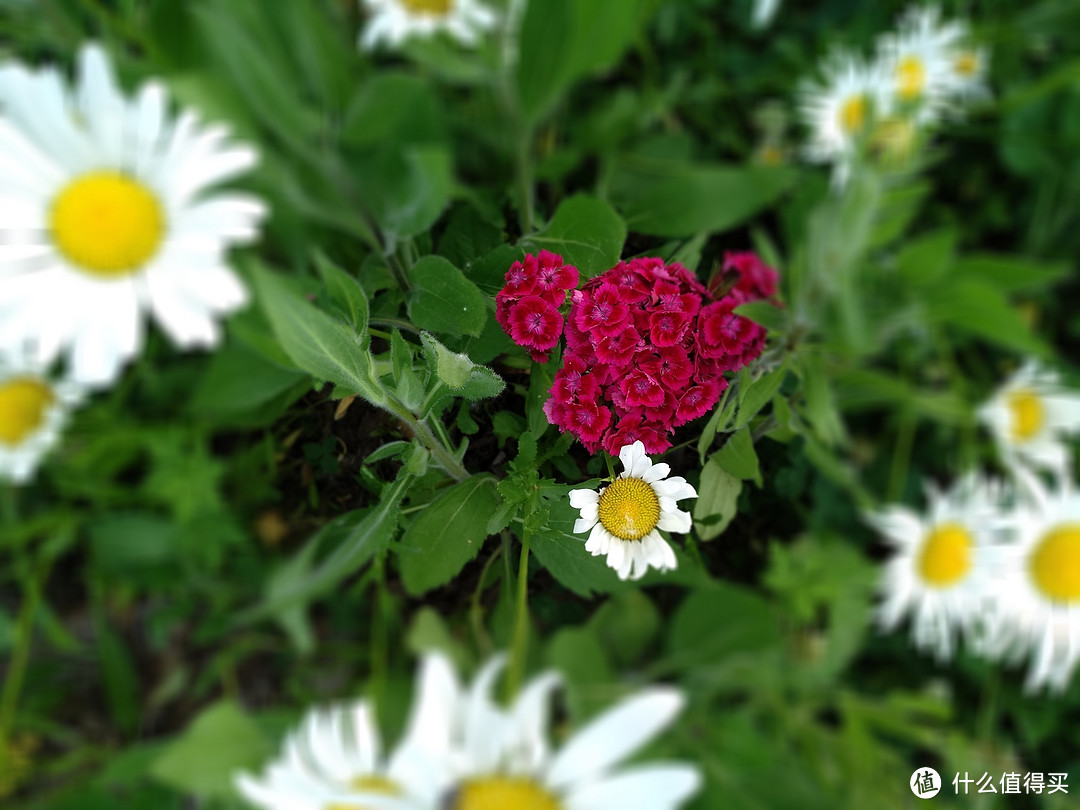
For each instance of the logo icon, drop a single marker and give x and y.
(925, 783)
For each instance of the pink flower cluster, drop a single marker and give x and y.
(646, 348)
(527, 308)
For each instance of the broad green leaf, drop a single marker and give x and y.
(820, 409)
(670, 198)
(237, 381)
(759, 393)
(772, 317)
(346, 292)
(122, 542)
(468, 236)
(408, 387)
(718, 496)
(204, 760)
(1010, 273)
(924, 260)
(980, 309)
(563, 41)
(586, 232)
(317, 343)
(628, 624)
(447, 534)
(406, 187)
(393, 107)
(738, 458)
(443, 300)
(715, 623)
(578, 654)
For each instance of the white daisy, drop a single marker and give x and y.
(940, 573)
(394, 21)
(625, 515)
(33, 410)
(840, 111)
(1029, 416)
(1039, 588)
(969, 67)
(334, 761)
(501, 758)
(105, 215)
(918, 60)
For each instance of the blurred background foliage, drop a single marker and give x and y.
(218, 545)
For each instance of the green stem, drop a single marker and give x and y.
(476, 612)
(516, 672)
(380, 637)
(399, 323)
(442, 455)
(20, 657)
(901, 456)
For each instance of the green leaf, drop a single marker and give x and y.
(119, 674)
(447, 534)
(738, 458)
(586, 232)
(407, 187)
(238, 381)
(717, 501)
(1010, 273)
(565, 40)
(314, 341)
(699, 634)
(670, 198)
(820, 409)
(628, 624)
(772, 317)
(409, 388)
(982, 310)
(759, 393)
(443, 300)
(923, 261)
(578, 654)
(468, 236)
(125, 542)
(204, 760)
(346, 292)
(394, 107)
(354, 538)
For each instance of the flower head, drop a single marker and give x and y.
(394, 21)
(527, 307)
(1038, 587)
(493, 757)
(107, 201)
(33, 409)
(940, 572)
(624, 518)
(1029, 416)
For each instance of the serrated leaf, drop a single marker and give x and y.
(586, 232)
(447, 534)
(443, 300)
(460, 374)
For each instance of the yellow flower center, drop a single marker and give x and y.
(431, 8)
(1055, 564)
(503, 793)
(945, 557)
(910, 77)
(23, 403)
(966, 64)
(107, 223)
(1028, 414)
(369, 784)
(853, 114)
(771, 155)
(629, 508)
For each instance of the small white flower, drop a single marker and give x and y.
(105, 215)
(841, 110)
(1029, 416)
(940, 573)
(969, 67)
(918, 59)
(335, 760)
(501, 758)
(33, 410)
(394, 21)
(625, 515)
(1038, 590)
